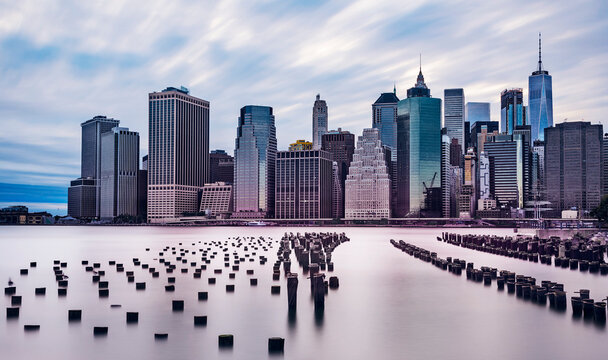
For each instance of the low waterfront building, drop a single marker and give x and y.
(216, 199)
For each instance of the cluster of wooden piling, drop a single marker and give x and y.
(523, 286)
(171, 261)
(313, 251)
(584, 254)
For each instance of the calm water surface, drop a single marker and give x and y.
(389, 304)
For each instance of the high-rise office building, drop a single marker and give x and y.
(505, 153)
(303, 184)
(483, 171)
(119, 171)
(142, 189)
(604, 165)
(477, 111)
(82, 195)
(573, 166)
(512, 110)
(221, 167)
(368, 184)
(319, 121)
(453, 115)
(482, 128)
(90, 168)
(446, 173)
(178, 156)
(337, 193)
(418, 152)
(540, 99)
(467, 199)
(341, 145)
(455, 152)
(384, 118)
(523, 134)
(254, 157)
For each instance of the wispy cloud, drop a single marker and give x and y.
(63, 64)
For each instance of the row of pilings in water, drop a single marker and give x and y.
(313, 252)
(525, 287)
(584, 254)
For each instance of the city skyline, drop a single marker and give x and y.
(101, 75)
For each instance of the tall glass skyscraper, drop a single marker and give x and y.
(254, 163)
(512, 110)
(477, 111)
(384, 118)
(319, 122)
(119, 170)
(178, 158)
(540, 99)
(418, 152)
(453, 115)
(81, 202)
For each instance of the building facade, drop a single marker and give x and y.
(418, 152)
(512, 110)
(453, 115)
(479, 131)
(477, 111)
(540, 99)
(573, 166)
(384, 118)
(221, 167)
(216, 199)
(254, 163)
(119, 171)
(368, 184)
(90, 166)
(82, 198)
(341, 145)
(178, 158)
(319, 121)
(604, 165)
(506, 170)
(303, 184)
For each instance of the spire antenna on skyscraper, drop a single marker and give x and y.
(540, 62)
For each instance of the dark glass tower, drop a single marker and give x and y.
(540, 99)
(384, 118)
(418, 152)
(512, 110)
(254, 157)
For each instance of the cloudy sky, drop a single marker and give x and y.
(62, 62)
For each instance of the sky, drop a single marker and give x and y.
(63, 62)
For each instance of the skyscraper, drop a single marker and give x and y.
(303, 184)
(384, 118)
(573, 166)
(604, 165)
(254, 158)
(445, 175)
(368, 188)
(467, 200)
(119, 171)
(512, 110)
(453, 115)
(418, 151)
(178, 159)
(522, 134)
(477, 111)
(540, 99)
(221, 167)
(341, 145)
(80, 200)
(319, 121)
(506, 169)
(480, 130)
